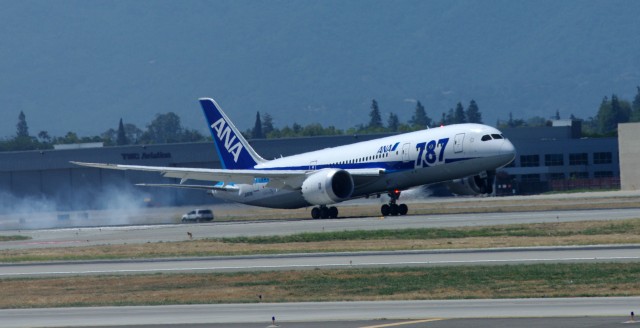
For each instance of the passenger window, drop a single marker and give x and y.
(486, 137)
(497, 136)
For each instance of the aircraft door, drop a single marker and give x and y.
(457, 143)
(313, 165)
(405, 152)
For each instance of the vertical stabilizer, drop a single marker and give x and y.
(234, 151)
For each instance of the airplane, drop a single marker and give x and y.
(466, 155)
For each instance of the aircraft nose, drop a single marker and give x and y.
(507, 148)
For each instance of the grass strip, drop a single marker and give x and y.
(523, 235)
(14, 238)
(461, 282)
(521, 230)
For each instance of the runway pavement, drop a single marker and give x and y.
(527, 255)
(575, 312)
(338, 314)
(178, 232)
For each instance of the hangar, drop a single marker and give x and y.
(49, 175)
(549, 158)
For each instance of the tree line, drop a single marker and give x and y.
(165, 128)
(264, 126)
(611, 112)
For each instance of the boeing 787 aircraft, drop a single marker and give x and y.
(468, 154)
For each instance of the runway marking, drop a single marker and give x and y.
(306, 266)
(404, 323)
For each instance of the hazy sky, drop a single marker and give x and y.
(82, 65)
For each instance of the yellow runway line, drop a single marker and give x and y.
(404, 323)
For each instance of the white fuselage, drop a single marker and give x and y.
(408, 160)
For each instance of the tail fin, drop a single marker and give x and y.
(234, 151)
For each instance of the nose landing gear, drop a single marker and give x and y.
(393, 208)
(324, 212)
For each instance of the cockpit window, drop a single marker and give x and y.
(497, 136)
(486, 137)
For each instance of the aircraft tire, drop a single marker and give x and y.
(385, 210)
(393, 209)
(403, 209)
(324, 212)
(315, 213)
(333, 212)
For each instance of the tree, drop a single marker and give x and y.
(44, 137)
(375, 121)
(393, 123)
(473, 113)
(536, 121)
(610, 113)
(621, 108)
(165, 128)
(121, 139)
(23, 129)
(69, 138)
(420, 120)
(297, 128)
(635, 107)
(267, 124)
(256, 133)
(450, 117)
(190, 135)
(458, 114)
(513, 123)
(133, 133)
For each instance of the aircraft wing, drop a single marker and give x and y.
(277, 178)
(186, 186)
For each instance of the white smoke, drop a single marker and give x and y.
(117, 205)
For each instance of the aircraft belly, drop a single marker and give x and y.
(291, 199)
(424, 176)
(267, 197)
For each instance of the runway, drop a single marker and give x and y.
(494, 256)
(578, 312)
(178, 232)
(334, 314)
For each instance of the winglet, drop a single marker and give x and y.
(234, 151)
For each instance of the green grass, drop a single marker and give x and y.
(529, 230)
(13, 238)
(417, 283)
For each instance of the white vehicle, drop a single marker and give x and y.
(466, 153)
(198, 216)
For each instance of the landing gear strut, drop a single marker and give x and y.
(392, 208)
(324, 212)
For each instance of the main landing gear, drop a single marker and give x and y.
(324, 212)
(392, 208)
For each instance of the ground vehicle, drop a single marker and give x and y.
(198, 216)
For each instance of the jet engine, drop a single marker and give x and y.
(473, 185)
(327, 186)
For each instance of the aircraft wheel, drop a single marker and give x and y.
(403, 209)
(324, 212)
(385, 210)
(394, 209)
(315, 213)
(333, 212)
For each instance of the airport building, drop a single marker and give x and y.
(549, 158)
(557, 158)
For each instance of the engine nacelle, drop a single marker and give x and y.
(473, 185)
(327, 186)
